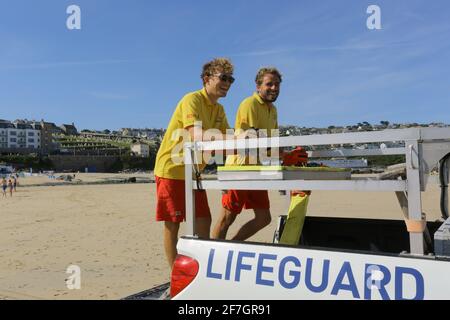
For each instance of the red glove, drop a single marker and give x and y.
(297, 157)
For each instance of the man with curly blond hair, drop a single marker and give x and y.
(199, 110)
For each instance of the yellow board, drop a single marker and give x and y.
(295, 220)
(280, 168)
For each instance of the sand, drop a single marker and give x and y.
(109, 231)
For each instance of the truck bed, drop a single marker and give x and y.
(372, 235)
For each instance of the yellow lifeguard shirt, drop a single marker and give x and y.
(193, 107)
(253, 112)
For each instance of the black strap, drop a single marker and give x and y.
(198, 180)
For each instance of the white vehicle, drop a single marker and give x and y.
(336, 258)
(6, 170)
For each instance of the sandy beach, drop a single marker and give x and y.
(110, 232)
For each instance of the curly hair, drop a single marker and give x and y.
(266, 70)
(217, 65)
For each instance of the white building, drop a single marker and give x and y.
(19, 135)
(33, 138)
(141, 149)
(4, 127)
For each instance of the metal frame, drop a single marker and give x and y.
(411, 138)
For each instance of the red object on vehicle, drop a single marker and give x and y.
(184, 270)
(297, 157)
(300, 193)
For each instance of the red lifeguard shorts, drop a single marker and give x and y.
(170, 201)
(236, 200)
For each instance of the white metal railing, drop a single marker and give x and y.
(411, 138)
(353, 152)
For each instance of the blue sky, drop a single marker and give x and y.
(133, 60)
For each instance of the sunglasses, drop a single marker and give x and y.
(225, 78)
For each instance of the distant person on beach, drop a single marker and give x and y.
(4, 186)
(255, 112)
(201, 110)
(15, 182)
(10, 185)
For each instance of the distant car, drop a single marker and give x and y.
(6, 170)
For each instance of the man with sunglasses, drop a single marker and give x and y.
(197, 110)
(255, 112)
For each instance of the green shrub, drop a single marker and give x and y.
(28, 161)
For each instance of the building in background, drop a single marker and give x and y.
(69, 129)
(19, 135)
(47, 129)
(141, 149)
(27, 136)
(4, 129)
